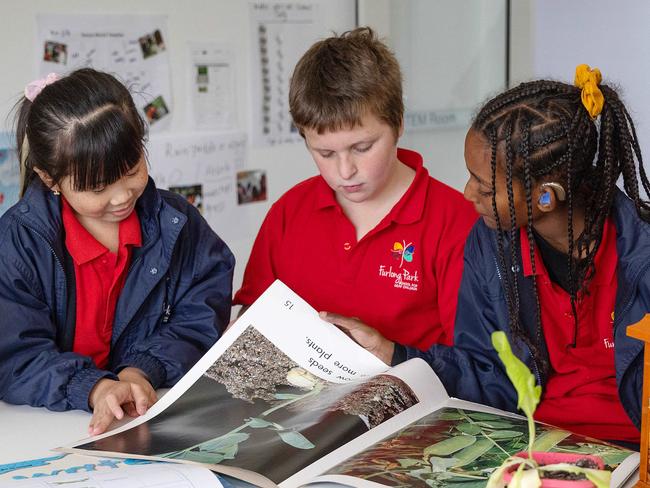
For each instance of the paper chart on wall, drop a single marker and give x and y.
(9, 172)
(281, 31)
(131, 47)
(211, 86)
(203, 167)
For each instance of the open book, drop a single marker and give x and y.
(286, 399)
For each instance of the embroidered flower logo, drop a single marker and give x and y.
(403, 252)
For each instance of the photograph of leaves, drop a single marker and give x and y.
(460, 448)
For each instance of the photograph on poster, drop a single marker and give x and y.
(55, 52)
(151, 44)
(156, 110)
(251, 186)
(192, 193)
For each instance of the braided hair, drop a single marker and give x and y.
(543, 131)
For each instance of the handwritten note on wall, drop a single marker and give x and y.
(132, 47)
(203, 168)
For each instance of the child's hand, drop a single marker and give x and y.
(367, 337)
(110, 399)
(136, 376)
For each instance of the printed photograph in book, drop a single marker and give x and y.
(460, 448)
(256, 409)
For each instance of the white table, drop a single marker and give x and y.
(31, 433)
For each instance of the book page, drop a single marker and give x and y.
(279, 391)
(464, 442)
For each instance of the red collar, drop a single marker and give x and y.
(83, 247)
(408, 209)
(605, 260)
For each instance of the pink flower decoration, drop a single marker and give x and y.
(35, 87)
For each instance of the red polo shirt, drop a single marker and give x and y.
(100, 276)
(401, 278)
(581, 393)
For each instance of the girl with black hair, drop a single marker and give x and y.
(559, 260)
(110, 288)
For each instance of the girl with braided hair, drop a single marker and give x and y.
(559, 260)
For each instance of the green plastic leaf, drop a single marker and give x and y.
(449, 446)
(600, 478)
(296, 439)
(525, 478)
(496, 478)
(467, 428)
(522, 379)
(223, 443)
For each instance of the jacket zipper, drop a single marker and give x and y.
(530, 353)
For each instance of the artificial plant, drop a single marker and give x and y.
(529, 472)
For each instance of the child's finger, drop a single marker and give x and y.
(336, 319)
(141, 398)
(100, 421)
(130, 409)
(115, 407)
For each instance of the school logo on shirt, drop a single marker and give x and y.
(403, 252)
(401, 277)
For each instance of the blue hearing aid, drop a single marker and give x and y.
(545, 198)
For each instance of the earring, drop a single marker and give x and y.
(56, 192)
(560, 193)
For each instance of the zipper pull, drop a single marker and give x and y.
(167, 311)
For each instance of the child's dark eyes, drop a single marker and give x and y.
(99, 190)
(485, 193)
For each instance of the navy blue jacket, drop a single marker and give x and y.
(174, 305)
(472, 370)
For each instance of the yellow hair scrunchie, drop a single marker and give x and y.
(587, 80)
